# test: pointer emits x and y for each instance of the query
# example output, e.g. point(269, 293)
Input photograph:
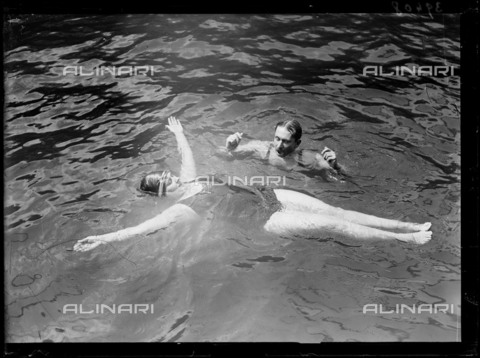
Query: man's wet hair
point(293, 127)
point(151, 183)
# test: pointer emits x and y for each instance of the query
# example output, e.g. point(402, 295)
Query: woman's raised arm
point(187, 171)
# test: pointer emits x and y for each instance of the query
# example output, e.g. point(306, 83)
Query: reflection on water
point(77, 146)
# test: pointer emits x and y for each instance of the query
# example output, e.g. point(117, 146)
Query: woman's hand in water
point(89, 243)
point(174, 125)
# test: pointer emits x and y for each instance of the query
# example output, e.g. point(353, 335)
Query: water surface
point(77, 146)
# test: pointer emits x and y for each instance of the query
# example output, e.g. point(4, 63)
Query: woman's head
point(159, 183)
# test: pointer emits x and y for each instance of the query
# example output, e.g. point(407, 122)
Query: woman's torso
point(243, 205)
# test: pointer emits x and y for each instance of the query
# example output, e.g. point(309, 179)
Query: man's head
point(287, 137)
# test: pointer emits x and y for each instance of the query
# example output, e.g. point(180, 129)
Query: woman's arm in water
point(172, 215)
point(187, 171)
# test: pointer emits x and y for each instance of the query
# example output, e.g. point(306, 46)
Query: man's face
point(283, 142)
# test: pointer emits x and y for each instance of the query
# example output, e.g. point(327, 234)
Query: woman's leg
point(298, 223)
point(296, 201)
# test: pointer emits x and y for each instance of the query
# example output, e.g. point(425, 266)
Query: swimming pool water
point(77, 146)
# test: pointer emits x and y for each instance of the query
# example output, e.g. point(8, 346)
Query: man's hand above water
point(330, 157)
point(233, 141)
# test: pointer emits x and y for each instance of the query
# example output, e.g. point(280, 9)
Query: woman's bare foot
point(425, 226)
point(411, 227)
point(419, 238)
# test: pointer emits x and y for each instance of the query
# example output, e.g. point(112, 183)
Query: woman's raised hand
point(174, 125)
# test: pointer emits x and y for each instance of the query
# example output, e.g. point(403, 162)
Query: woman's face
point(173, 183)
point(160, 184)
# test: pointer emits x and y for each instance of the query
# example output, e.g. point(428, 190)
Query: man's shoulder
point(258, 144)
point(256, 148)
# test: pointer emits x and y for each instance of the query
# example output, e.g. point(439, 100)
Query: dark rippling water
point(77, 146)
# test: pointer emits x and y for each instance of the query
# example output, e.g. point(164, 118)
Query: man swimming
point(278, 211)
point(284, 150)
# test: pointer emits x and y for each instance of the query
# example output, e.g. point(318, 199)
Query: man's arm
point(255, 148)
point(232, 149)
point(176, 213)
point(324, 164)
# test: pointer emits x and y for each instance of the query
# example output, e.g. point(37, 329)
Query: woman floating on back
point(278, 211)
